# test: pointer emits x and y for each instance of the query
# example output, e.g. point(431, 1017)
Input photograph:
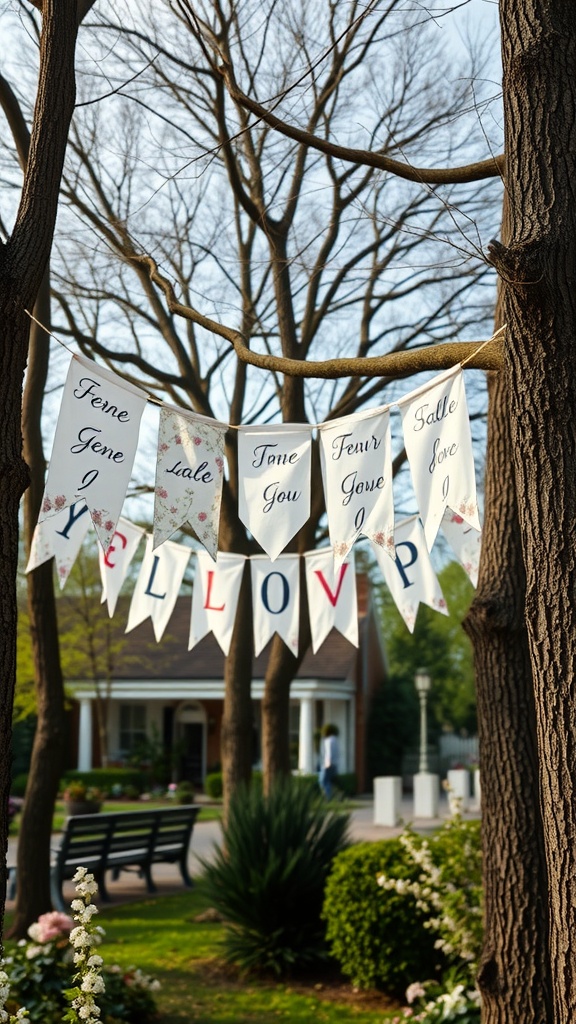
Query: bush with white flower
point(58, 976)
point(448, 892)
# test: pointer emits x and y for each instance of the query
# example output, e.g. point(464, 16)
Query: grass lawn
point(208, 812)
point(162, 937)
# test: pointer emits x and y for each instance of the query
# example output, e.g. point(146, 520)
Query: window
point(132, 726)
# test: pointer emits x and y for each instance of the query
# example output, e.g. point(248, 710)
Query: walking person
point(329, 759)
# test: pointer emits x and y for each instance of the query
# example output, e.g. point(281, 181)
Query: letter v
point(333, 598)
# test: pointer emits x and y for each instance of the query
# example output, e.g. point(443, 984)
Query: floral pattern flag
point(439, 448)
point(465, 542)
point(157, 586)
point(189, 473)
point(410, 576)
point(115, 562)
point(274, 482)
point(275, 600)
point(356, 463)
point(94, 445)
point(332, 597)
point(60, 537)
point(215, 597)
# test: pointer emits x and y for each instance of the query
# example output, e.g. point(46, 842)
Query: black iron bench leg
point(185, 873)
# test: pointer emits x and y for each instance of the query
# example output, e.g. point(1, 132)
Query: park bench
point(123, 841)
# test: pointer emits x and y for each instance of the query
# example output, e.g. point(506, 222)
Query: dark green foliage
point(376, 935)
point(213, 785)
point(18, 784)
point(267, 880)
point(347, 784)
point(107, 779)
point(393, 724)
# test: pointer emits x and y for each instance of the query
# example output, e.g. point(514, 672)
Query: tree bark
point(33, 892)
point(23, 259)
point(538, 267)
point(513, 972)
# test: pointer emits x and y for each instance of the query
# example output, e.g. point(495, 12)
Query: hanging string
point(483, 345)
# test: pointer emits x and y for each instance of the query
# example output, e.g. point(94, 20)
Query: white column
point(388, 800)
point(85, 735)
point(306, 736)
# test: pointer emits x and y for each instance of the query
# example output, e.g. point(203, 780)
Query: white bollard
point(459, 784)
point(426, 795)
point(387, 800)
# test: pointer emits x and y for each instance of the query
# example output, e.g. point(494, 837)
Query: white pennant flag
point(439, 448)
point(189, 473)
point(274, 482)
point(357, 473)
point(410, 577)
point(465, 542)
point(157, 586)
point(215, 597)
point(60, 537)
point(94, 445)
point(275, 600)
point(332, 599)
point(115, 562)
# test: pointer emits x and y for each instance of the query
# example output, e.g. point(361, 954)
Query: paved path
point(207, 836)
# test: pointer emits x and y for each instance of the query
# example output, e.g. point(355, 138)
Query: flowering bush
point(58, 975)
point(448, 892)
point(79, 792)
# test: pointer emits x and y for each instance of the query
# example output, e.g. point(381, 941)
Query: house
point(178, 695)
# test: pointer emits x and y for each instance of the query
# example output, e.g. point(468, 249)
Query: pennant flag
point(215, 598)
point(189, 475)
point(439, 447)
point(157, 586)
point(94, 445)
point(465, 542)
point(274, 483)
point(275, 600)
point(357, 474)
point(331, 597)
point(115, 562)
point(60, 537)
point(410, 577)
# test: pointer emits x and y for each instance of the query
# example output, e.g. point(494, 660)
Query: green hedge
point(107, 778)
point(377, 936)
point(213, 786)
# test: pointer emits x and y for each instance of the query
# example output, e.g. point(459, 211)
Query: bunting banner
point(115, 561)
point(465, 542)
point(157, 586)
point(274, 482)
point(189, 472)
point(332, 599)
point(355, 453)
point(94, 445)
point(439, 448)
point(60, 537)
point(410, 576)
point(215, 598)
point(275, 600)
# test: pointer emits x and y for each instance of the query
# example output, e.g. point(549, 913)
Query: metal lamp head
point(422, 680)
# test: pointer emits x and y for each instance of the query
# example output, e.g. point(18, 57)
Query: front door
point(191, 760)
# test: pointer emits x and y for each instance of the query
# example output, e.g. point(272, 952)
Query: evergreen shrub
point(378, 937)
point(268, 877)
point(105, 779)
point(213, 786)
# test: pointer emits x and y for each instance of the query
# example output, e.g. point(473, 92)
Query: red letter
point(333, 598)
point(111, 548)
point(210, 607)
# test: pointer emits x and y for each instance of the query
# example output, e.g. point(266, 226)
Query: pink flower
point(457, 519)
point(60, 501)
point(46, 505)
point(197, 440)
point(202, 516)
point(108, 525)
point(219, 462)
point(161, 492)
point(50, 926)
point(164, 447)
point(177, 439)
point(97, 517)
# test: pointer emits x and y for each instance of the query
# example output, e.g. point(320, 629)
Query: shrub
point(213, 785)
point(267, 880)
point(18, 785)
point(347, 784)
point(106, 779)
point(377, 937)
point(184, 793)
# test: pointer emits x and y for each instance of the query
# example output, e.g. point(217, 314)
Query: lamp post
point(423, 683)
point(426, 785)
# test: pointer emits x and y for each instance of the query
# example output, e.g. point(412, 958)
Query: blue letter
point(72, 517)
point(285, 588)
point(148, 590)
point(402, 566)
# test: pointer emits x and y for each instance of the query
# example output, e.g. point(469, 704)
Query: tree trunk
point(539, 270)
point(23, 259)
point(514, 967)
point(33, 893)
point(237, 720)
